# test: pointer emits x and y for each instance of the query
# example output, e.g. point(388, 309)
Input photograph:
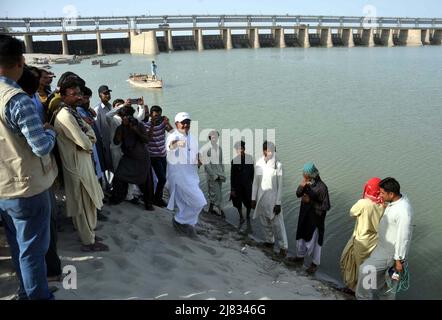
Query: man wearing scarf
point(315, 203)
point(75, 142)
point(266, 198)
point(368, 212)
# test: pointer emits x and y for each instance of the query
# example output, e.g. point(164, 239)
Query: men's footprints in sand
point(207, 249)
point(162, 263)
point(186, 248)
point(175, 254)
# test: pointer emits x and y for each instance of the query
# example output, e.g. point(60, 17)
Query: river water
point(357, 113)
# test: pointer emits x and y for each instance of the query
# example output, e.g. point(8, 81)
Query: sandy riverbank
point(148, 260)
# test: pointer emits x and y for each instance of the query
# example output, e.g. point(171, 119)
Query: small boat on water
point(96, 62)
point(61, 60)
point(144, 81)
point(108, 64)
point(74, 62)
point(41, 61)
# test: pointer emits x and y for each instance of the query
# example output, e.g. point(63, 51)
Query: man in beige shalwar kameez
point(75, 143)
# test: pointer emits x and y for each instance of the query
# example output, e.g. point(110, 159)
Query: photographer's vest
point(22, 173)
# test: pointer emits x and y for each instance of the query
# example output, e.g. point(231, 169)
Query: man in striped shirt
point(156, 129)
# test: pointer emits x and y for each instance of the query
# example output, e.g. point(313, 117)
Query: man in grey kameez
point(214, 167)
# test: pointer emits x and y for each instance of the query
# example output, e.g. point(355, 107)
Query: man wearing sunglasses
point(183, 161)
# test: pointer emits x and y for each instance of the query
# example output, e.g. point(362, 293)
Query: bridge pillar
point(426, 37)
point(347, 38)
point(280, 38)
point(410, 37)
point(387, 37)
point(254, 38)
point(28, 44)
point(198, 35)
point(437, 37)
point(64, 44)
point(326, 38)
point(144, 43)
point(169, 41)
point(226, 35)
point(303, 38)
point(99, 44)
point(367, 38)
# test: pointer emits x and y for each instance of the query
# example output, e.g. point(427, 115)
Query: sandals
point(97, 246)
point(295, 259)
point(347, 290)
point(312, 269)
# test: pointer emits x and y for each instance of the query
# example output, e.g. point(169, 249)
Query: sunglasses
point(187, 121)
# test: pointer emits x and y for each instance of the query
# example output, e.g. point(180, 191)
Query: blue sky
point(62, 8)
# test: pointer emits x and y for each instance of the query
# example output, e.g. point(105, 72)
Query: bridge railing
point(173, 21)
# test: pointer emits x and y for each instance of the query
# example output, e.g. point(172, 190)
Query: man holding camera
point(156, 129)
point(134, 166)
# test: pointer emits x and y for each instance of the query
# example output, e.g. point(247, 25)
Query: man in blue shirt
point(27, 171)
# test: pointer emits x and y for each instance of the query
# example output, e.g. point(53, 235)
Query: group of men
point(113, 149)
point(56, 140)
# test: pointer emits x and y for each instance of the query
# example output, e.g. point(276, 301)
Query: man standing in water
point(315, 203)
point(394, 236)
point(182, 176)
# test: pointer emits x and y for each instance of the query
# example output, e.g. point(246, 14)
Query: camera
point(394, 275)
point(134, 101)
point(132, 121)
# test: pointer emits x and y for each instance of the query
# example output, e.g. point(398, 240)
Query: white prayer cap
point(182, 116)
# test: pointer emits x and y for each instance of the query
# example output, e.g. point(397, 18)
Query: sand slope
point(148, 260)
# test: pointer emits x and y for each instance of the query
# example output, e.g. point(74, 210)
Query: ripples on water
point(357, 113)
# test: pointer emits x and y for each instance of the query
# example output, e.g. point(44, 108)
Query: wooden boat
point(74, 62)
point(108, 64)
point(61, 60)
point(41, 61)
point(144, 81)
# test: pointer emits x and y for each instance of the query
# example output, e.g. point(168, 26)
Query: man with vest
point(27, 171)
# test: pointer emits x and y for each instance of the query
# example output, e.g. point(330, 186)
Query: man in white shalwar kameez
point(394, 234)
point(182, 176)
point(266, 198)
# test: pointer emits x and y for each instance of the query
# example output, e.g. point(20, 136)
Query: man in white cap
point(182, 176)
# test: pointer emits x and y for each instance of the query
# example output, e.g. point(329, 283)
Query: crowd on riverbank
point(126, 151)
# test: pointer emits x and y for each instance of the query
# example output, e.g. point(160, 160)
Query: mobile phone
point(134, 101)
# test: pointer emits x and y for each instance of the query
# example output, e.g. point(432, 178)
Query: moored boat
point(108, 64)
